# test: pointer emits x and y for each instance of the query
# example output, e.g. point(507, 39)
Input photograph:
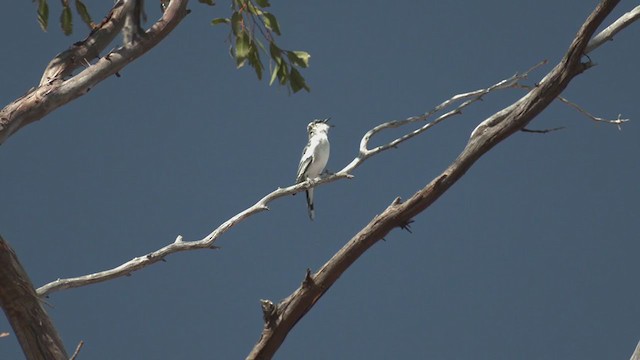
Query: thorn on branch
point(407, 226)
point(269, 312)
point(308, 280)
point(543, 131)
point(178, 239)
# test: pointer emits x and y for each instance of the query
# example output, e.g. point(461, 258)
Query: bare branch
point(77, 352)
point(83, 52)
point(469, 97)
point(56, 90)
point(543, 131)
point(617, 121)
point(608, 33)
point(30, 322)
point(490, 132)
point(636, 353)
point(364, 153)
point(207, 242)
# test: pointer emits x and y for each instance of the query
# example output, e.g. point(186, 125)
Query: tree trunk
point(30, 322)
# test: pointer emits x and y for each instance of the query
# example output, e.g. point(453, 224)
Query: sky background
point(533, 254)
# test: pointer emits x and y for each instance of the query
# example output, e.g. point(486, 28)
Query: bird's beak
point(327, 119)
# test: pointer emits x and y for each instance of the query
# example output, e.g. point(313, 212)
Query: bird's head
point(319, 125)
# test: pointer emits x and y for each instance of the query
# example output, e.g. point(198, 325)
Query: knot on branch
point(269, 312)
point(308, 280)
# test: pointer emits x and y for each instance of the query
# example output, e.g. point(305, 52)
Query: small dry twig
point(75, 353)
point(364, 153)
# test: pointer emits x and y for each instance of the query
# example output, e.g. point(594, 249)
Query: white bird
point(314, 157)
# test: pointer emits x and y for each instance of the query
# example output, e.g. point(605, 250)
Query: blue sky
point(532, 255)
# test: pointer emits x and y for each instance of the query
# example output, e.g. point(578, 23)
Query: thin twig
point(543, 131)
point(618, 122)
point(208, 241)
point(75, 353)
point(364, 153)
point(491, 132)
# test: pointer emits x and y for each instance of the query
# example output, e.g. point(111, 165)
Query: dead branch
point(488, 134)
point(364, 153)
point(58, 86)
point(208, 241)
point(608, 33)
point(636, 353)
point(77, 352)
point(30, 322)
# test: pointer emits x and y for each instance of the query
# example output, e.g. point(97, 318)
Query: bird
point(314, 157)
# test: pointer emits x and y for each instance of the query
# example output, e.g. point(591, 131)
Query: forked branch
point(364, 153)
point(59, 85)
point(284, 315)
point(462, 100)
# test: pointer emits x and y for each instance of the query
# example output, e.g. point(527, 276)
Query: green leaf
point(263, 3)
point(257, 41)
point(300, 58)
point(254, 61)
point(283, 73)
point(270, 22)
point(43, 14)
point(217, 21)
point(297, 82)
point(274, 74)
point(237, 23)
point(65, 20)
point(82, 10)
point(243, 46)
point(208, 2)
point(276, 53)
point(253, 9)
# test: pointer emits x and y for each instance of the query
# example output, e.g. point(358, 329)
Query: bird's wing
point(304, 165)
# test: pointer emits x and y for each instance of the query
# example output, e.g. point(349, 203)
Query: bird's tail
point(312, 213)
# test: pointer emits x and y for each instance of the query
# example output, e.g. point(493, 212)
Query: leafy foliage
point(43, 14)
point(249, 23)
point(66, 16)
point(249, 18)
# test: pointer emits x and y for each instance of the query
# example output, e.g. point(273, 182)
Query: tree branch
point(58, 86)
point(636, 353)
point(30, 322)
point(488, 134)
point(608, 33)
point(207, 242)
point(83, 52)
point(364, 153)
